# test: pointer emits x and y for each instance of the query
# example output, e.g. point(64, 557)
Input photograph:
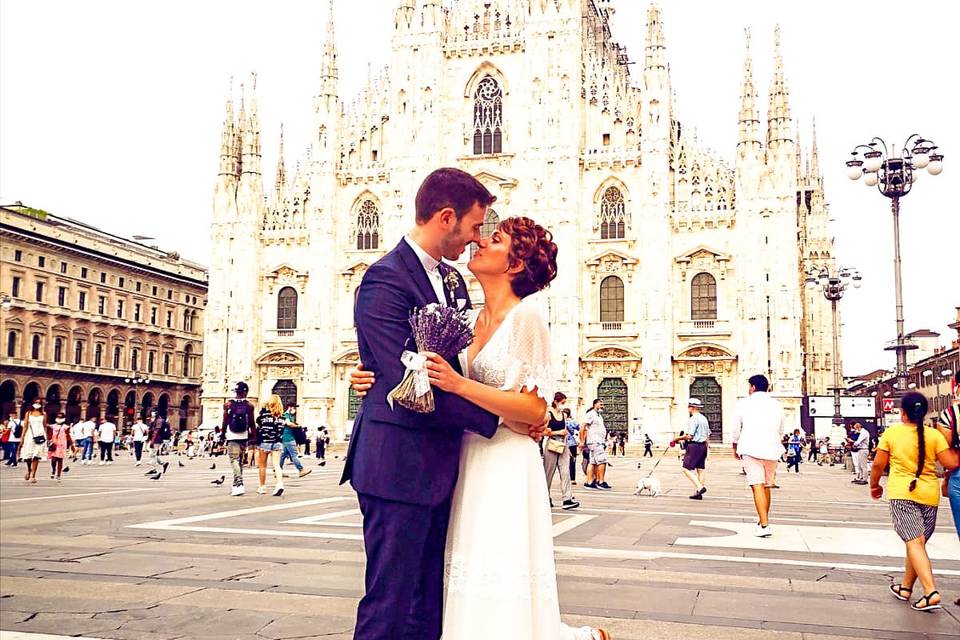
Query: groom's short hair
point(453, 188)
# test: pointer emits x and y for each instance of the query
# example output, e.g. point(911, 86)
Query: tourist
point(106, 433)
point(239, 431)
point(572, 441)
point(159, 436)
point(270, 424)
point(13, 431)
point(912, 450)
point(623, 444)
point(814, 447)
point(291, 439)
point(556, 456)
point(323, 439)
point(139, 438)
point(647, 446)
point(33, 442)
point(57, 448)
point(596, 445)
point(860, 449)
point(949, 425)
point(795, 451)
point(87, 430)
point(695, 457)
point(757, 434)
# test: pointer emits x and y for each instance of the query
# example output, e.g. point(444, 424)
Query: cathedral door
point(287, 391)
point(613, 392)
point(709, 392)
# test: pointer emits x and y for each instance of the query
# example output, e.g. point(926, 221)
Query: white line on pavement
point(73, 495)
point(686, 514)
point(325, 518)
point(629, 554)
point(567, 524)
point(166, 524)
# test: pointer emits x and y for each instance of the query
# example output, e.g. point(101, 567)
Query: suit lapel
point(415, 267)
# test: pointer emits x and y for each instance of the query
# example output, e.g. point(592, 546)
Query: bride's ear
point(516, 268)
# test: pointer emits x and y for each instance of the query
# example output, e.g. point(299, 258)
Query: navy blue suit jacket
point(398, 454)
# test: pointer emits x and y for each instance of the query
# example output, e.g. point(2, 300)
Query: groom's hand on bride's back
point(361, 380)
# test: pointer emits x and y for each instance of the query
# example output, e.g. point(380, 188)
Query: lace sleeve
point(528, 360)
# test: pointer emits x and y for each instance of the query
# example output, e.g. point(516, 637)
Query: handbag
point(39, 439)
point(555, 446)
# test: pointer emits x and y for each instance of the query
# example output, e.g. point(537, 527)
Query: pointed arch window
point(491, 220)
point(78, 352)
point(117, 354)
point(287, 309)
point(613, 215)
point(611, 299)
point(488, 117)
point(703, 297)
point(12, 344)
point(369, 231)
point(58, 350)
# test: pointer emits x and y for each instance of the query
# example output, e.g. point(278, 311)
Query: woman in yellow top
point(912, 451)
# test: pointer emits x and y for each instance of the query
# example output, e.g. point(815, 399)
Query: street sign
point(850, 406)
point(888, 405)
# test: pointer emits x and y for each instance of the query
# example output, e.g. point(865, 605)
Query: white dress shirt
point(432, 266)
point(758, 427)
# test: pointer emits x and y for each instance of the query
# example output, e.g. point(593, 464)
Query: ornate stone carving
point(281, 357)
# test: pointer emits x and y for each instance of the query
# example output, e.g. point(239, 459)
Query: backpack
point(238, 419)
point(18, 429)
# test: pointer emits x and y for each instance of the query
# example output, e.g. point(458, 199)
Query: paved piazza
point(111, 554)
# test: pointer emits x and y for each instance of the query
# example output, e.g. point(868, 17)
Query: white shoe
point(101, 463)
point(109, 461)
point(261, 490)
point(763, 532)
point(237, 490)
point(138, 464)
point(278, 491)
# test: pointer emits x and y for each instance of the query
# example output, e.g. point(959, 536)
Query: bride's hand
point(441, 374)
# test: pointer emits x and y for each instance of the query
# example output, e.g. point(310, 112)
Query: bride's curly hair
point(533, 246)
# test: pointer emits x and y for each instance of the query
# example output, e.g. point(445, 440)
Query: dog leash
point(665, 449)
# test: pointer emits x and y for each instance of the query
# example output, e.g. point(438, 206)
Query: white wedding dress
point(501, 577)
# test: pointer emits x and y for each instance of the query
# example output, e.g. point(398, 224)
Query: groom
point(403, 465)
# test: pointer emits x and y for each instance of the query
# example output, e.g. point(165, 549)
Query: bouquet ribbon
point(416, 367)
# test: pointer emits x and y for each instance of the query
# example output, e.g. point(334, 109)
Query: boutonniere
point(451, 282)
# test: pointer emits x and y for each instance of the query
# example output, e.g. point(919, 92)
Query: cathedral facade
point(679, 274)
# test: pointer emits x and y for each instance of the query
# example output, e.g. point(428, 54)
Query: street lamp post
point(894, 173)
point(833, 287)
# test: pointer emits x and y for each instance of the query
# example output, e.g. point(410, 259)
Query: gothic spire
point(251, 134)
point(228, 149)
point(778, 107)
point(328, 63)
point(281, 182)
point(814, 158)
point(656, 49)
point(749, 118)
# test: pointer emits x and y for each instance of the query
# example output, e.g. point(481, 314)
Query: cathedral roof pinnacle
point(778, 108)
point(749, 117)
point(656, 48)
point(328, 62)
point(814, 158)
point(281, 181)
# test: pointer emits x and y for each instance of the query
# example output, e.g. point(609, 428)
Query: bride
point(501, 577)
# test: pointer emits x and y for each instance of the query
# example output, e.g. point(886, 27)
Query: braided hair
point(915, 406)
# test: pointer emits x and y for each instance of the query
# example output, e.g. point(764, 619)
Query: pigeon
point(66, 469)
point(165, 465)
point(218, 481)
point(180, 464)
point(213, 466)
point(156, 476)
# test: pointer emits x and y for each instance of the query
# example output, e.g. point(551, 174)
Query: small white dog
point(650, 484)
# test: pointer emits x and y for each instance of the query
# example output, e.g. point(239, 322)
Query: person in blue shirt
point(573, 442)
point(794, 451)
point(695, 455)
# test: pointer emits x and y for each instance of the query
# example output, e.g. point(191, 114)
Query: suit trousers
point(405, 545)
point(553, 461)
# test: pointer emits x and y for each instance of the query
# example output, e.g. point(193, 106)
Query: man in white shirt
point(105, 435)
point(860, 445)
point(87, 428)
point(596, 441)
point(139, 437)
point(757, 442)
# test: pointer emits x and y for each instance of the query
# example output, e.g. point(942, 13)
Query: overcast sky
point(110, 112)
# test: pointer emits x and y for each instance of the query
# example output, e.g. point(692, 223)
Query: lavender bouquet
point(437, 328)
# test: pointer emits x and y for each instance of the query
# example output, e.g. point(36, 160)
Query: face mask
point(36, 406)
point(60, 421)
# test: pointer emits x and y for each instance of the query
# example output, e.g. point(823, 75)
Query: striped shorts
point(912, 519)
